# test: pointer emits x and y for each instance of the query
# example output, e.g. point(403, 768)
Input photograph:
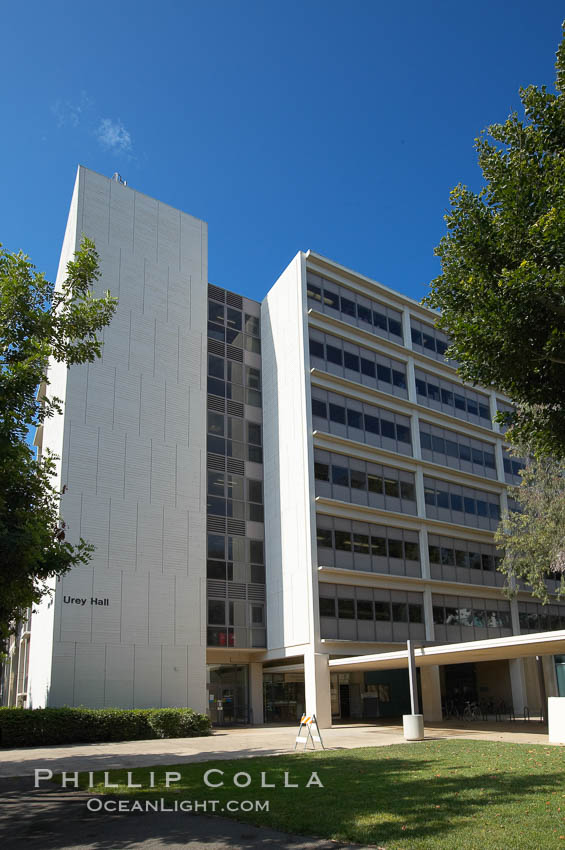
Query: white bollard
point(413, 727)
point(556, 720)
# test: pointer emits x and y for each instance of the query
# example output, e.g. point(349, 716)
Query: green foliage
point(25, 727)
point(502, 288)
point(533, 539)
point(177, 723)
point(38, 324)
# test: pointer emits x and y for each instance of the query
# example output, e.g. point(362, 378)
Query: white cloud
point(113, 136)
point(70, 113)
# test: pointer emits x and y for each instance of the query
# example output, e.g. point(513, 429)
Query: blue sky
point(287, 125)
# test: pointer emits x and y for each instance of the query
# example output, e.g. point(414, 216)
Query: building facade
point(268, 486)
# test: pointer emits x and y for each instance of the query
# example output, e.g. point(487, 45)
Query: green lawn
point(439, 794)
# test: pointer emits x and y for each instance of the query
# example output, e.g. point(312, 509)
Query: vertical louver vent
point(234, 300)
point(217, 404)
point(236, 526)
point(216, 293)
point(235, 408)
point(234, 353)
point(236, 466)
point(215, 347)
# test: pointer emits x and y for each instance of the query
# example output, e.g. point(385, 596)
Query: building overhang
point(494, 649)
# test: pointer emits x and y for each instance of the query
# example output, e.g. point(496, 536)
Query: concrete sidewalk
point(244, 743)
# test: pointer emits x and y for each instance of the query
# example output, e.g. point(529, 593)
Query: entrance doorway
point(228, 694)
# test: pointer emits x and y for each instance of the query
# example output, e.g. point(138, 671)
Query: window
point(321, 471)
point(348, 307)
point(415, 613)
point(256, 553)
point(382, 611)
point(391, 488)
point(395, 548)
point(334, 355)
point(216, 612)
point(378, 546)
point(319, 408)
point(364, 609)
point(254, 433)
point(216, 546)
point(351, 361)
point(254, 490)
point(342, 541)
point(355, 419)
point(361, 543)
point(316, 349)
point(337, 413)
point(340, 476)
point(411, 551)
point(399, 612)
point(257, 615)
point(324, 536)
point(346, 609)
point(327, 607)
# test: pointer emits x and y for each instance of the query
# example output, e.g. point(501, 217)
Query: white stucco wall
point(289, 504)
point(133, 462)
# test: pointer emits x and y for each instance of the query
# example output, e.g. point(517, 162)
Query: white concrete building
point(269, 487)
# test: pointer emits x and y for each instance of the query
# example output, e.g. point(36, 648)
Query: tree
point(38, 323)
point(533, 538)
point(501, 291)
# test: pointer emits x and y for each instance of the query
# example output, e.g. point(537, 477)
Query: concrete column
point(256, 692)
point(317, 687)
point(406, 328)
point(518, 685)
point(420, 495)
point(493, 406)
point(550, 676)
point(431, 693)
point(429, 614)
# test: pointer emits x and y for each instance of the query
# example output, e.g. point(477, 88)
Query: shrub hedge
point(26, 727)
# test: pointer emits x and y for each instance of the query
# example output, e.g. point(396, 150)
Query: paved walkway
point(243, 743)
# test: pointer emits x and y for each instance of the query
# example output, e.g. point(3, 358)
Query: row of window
point(241, 637)
point(234, 487)
point(452, 399)
point(233, 337)
point(234, 427)
point(367, 483)
point(342, 358)
point(463, 505)
point(468, 559)
point(221, 613)
point(366, 609)
point(360, 421)
point(476, 617)
point(235, 510)
point(448, 448)
point(370, 614)
point(380, 546)
point(235, 571)
point(535, 617)
point(234, 392)
point(236, 373)
point(353, 308)
point(228, 548)
point(428, 340)
point(234, 319)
